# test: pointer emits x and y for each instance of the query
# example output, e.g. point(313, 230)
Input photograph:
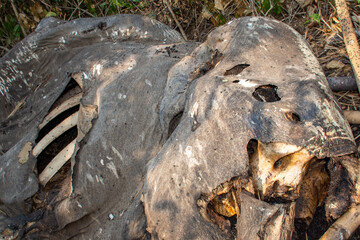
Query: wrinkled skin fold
point(172, 139)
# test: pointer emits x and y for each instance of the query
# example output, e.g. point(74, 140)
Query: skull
point(171, 140)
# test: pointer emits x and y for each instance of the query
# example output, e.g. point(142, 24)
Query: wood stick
point(353, 117)
point(176, 21)
point(344, 226)
point(352, 46)
point(18, 18)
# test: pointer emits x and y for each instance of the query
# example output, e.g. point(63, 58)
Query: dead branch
point(176, 21)
point(344, 226)
point(17, 17)
point(353, 117)
point(338, 84)
point(352, 46)
point(4, 48)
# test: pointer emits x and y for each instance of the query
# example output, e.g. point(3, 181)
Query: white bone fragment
point(56, 163)
point(292, 161)
point(344, 226)
point(65, 125)
point(71, 102)
point(78, 77)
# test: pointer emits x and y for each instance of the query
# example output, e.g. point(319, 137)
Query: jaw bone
point(278, 168)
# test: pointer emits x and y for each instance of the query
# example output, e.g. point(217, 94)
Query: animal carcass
point(117, 128)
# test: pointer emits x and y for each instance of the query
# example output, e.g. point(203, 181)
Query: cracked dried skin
point(278, 169)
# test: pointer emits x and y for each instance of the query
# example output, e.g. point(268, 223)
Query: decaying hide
point(117, 128)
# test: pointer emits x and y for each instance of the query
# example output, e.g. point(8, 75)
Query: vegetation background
point(316, 20)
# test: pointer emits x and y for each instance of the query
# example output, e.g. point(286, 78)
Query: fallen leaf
point(206, 14)
point(334, 64)
point(37, 11)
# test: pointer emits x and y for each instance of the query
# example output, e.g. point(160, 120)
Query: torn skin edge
point(86, 116)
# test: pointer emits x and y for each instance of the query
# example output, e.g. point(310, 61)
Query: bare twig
point(344, 226)
point(17, 17)
point(353, 117)
point(48, 7)
point(352, 46)
point(133, 3)
point(253, 8)
point(77, 8)
point(176, 21)
point(4, 48)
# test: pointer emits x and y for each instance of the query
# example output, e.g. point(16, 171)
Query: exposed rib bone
point(344, 226)
point(56, 163)
point(71, 102)
point(78, 78)
point(65, 125)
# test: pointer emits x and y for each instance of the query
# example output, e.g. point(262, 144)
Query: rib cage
point(57, 133)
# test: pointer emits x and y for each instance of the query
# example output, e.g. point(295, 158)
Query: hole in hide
point(222, 205)
point(236, 81)
point(59, 111)
point(216, 57)
point(252, 147)
point(266, 93)
point(221, 210)
point(225, 223)
point(236, 69)
point(293, 117)
point(174, 123)
point(282, 163)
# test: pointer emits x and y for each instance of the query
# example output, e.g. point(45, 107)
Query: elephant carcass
point(250, 125)
point(173, 138)
point(106, 75)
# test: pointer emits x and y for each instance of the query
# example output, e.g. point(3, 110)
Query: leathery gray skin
point(167, 125)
